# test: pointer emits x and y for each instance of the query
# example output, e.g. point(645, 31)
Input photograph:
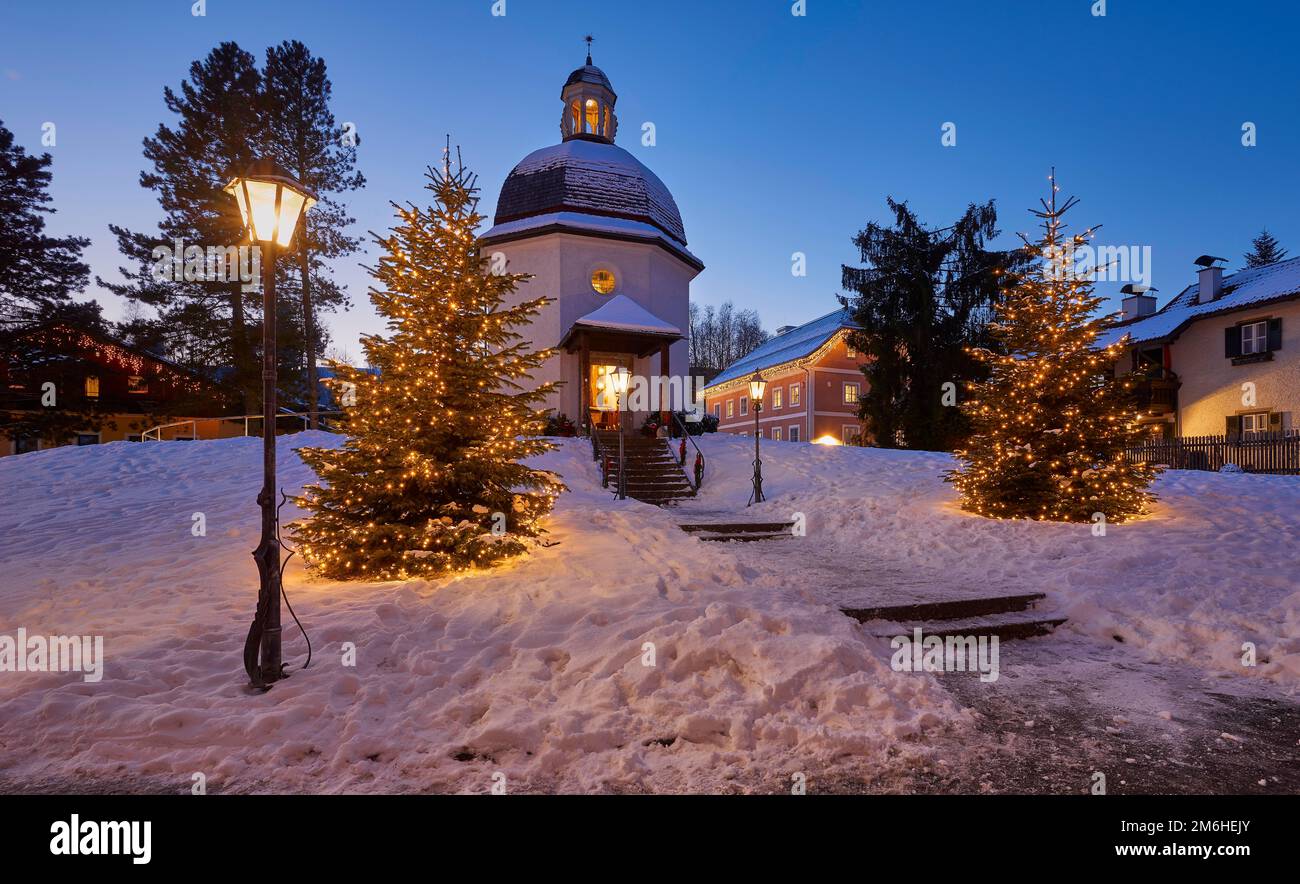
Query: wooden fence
point(1275, 453)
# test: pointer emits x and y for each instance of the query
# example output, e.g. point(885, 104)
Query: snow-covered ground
point(538, 670)
point(1215, 565)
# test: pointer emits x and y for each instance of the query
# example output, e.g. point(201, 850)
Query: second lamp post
point(270, 204)
point(757, 386)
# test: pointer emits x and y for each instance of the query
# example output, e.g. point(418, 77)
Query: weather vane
point(589, 38)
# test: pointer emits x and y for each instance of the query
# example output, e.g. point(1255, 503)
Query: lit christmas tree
point(1051, 423)
point(429, 479)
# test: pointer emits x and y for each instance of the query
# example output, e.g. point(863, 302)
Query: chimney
point(783, 329)
point(1138, 302)
point(1210, 278)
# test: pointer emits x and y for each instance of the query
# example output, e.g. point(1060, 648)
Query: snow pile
point(536, 670)
point(1214, 566)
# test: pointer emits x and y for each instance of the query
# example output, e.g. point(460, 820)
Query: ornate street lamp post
point(757, 386)
point(620, 378)
point(270, 204)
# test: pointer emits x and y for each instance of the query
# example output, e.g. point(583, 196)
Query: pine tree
point(218, 131)
point(38, 272)
point(429, 479)
point(1051, 423)
point(302, 134)
point(1264, 250)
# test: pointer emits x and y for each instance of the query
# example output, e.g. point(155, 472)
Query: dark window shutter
point(1232, 341)
point(1275, 422)
point(1275, 333)
point(1234, 425)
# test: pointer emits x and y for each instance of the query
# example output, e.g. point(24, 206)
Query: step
point(737, 527)
point(747, 537)
point(947, 610)
point(1007, 627)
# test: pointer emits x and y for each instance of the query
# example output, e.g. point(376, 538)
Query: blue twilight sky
point(776, 133)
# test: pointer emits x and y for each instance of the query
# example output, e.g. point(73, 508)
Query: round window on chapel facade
point(602, 281)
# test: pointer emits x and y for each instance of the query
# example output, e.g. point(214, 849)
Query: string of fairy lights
point(430, 480)
point(1052, 422)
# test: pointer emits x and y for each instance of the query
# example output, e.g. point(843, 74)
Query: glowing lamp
point(620, 376)
point(757, 387)
point(270, 202)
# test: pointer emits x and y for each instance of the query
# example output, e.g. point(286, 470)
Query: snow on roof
point(794, 344)
point(595, 176)
point(596, 223)
point(1240, 290)
point(622, 313)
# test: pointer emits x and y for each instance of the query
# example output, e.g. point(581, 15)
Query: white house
point(601, 234)
point(1223, 357)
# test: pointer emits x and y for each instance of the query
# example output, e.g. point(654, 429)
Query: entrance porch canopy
point(620, 325)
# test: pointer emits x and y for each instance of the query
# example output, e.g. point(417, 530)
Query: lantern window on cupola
point(588, 105)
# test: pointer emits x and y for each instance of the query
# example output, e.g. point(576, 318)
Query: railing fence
point(1271, 453)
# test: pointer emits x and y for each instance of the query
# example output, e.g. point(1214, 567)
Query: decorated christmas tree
point(1052, 421)
point(430, 479)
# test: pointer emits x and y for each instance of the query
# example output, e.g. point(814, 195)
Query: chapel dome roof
point(589, 177)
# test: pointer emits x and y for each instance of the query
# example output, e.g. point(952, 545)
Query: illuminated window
point(776, 434)
point(850, 394)
point(593, 116)
point(794, 394)
point(92, 386)
point(603, 282)
point(731, 407)
point(137, 384)
point(576, 111)
point(850, 351)
point(776, 397)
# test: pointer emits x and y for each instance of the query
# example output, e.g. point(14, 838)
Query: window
point(744, 405)
point(24, 444)
point(776, 397)
point(137, 384)
point(1254, 423)
point(92, 386)
point(794, 433)
point(850, 351)
point(135, 437)
point(717, 411)
point(851, 394)
point(731, 407)
point(593, 116)
point(849, 434)
point(776, 434)
point(794, 395)
point(87, 438)
point(1254, 338)
point(602, 281)
point(577, 117)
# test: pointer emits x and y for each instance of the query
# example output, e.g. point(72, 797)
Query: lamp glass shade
point(757, 387)
point(269, 207)
point(621, 376)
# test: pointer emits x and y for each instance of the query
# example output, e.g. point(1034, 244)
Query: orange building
point(813, 379)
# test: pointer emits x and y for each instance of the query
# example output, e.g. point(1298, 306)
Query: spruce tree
point(1052, 421)
point(1264, 250)
point(922, 300)
point(430, 479)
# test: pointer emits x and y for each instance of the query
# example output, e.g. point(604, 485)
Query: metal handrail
point(154, 434)
point(681, 458)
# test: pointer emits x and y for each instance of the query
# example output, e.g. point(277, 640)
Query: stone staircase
point(653, 474)
point(1008, 617)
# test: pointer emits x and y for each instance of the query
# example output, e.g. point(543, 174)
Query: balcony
point(1155, 391)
